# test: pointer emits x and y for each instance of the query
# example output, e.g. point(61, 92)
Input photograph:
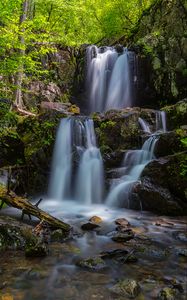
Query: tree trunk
point(21, 53)
point(32, 210)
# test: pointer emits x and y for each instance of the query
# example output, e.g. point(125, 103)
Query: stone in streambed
point(89, 226)
point(182, 252)
point(167, 294)
point(114, 253)
point(58, 235)
point(92, 263)
point(122, 222)
point(121, 237)
point(126, 288)
point(36, 250)
point(95, 219)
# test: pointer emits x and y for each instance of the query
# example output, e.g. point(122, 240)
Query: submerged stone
point(126, 288)
point(92, 263)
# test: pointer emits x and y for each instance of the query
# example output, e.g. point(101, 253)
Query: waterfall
point(76, 138)
point(109, 78)
point(60, 179)
point(161, 121)
point(144, 125)
point(90, 176)
point(133, 165)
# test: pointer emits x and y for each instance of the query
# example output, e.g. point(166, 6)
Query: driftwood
point(28, 208)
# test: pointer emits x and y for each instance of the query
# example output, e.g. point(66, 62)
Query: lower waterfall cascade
point(84, 182)
point(76, 136)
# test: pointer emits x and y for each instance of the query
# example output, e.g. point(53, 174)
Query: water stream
point(109, 78)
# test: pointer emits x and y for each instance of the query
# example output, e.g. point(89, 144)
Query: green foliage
point(184, 141)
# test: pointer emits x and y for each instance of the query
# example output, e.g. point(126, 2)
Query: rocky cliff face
point(161, 40)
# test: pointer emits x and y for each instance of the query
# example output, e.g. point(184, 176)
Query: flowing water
point(134, 163)
point(156, 245)
point(109, 78)
point(76, 141)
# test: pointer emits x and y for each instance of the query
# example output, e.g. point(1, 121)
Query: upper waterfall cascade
point(110, 78)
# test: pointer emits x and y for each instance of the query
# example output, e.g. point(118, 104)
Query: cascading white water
point(76, 136)
point(60, 179)
point(109, 78)
point(161, 121)
point(144, 125)
point(133, 165)
point(90, 180)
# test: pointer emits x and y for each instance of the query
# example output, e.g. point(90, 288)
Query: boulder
point(168, 143)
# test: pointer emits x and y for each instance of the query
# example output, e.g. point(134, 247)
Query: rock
point(95, 219)
point(121, 237)
point(182, 252)
point(168, 143)
point(36, 250)
point(181, 236)
point(122, 222)
point(65, 108)
point(58, 235)
point(156, 190)
point(160, 53)
point(89, 226)
point(131, 258)
point(92, 263)
point(13, 236)
point(114, 253)
point(176, 114)
point(167, 294)
point(126, 288)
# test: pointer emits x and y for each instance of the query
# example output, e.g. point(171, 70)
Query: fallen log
point(28, 208)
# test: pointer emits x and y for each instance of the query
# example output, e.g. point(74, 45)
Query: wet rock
point(92, 263)
point(122, 222)
point(163, 223)
point(157, 191)
point(176, 114)
point(181, 236)
point(121, 237)
point(158, 199)
point(167, 294)
point(36, 250)
point(126, 288)
point(182, 252)
point(11, 236)
point(89, 226)
point(114, 253)
point(95, 219)
point(130, 258)
point(167, 144)
point(58, 235)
